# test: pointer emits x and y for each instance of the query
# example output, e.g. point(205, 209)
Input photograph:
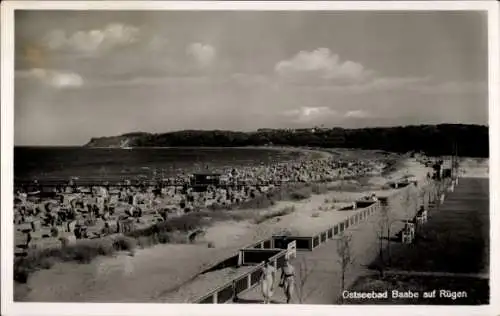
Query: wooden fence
point(275, 249)
point(230, 291)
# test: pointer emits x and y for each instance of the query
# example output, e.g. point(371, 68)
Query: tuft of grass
point(167, 231)
point(259, 202)
point(184, 223)
point(284, 211)
point(300, 194)
point(163, 238)
point(123, 243)
point(83, 252)
point(294, 192)
point(144, 241)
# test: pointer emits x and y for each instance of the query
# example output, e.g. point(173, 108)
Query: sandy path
point(323, 283)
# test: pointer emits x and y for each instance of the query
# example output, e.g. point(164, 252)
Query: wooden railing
point(229, 291)
point(277, 246)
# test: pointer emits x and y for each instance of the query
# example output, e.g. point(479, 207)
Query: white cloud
point(357, 114)
point(55, 78)
point(309, 114)
point(202, 53)
point(323, 64)
point(115, 34)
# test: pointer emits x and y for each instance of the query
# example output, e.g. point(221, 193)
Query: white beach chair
point(424, 216)
point(406, 237)
point(410, 228)
point(420, 220)
point(451, 188)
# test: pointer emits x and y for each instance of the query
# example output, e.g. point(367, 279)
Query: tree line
point(470, 140)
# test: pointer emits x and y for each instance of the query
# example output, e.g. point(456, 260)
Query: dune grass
point(282, 212)
point(289, 192)
point(83, 252)
point(173, 230)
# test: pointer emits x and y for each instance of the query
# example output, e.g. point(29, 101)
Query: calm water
point(96, 163)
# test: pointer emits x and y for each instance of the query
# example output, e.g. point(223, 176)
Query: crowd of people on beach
point(79, 210)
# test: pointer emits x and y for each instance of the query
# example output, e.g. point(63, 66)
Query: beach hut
point(200, 181)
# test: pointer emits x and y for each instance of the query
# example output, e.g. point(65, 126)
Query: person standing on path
point(268, 279)
point(288, 279)
point(28, 240)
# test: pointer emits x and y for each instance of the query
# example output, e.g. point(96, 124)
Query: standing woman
point(288, 279)
point(28, 239)
point(268, 279)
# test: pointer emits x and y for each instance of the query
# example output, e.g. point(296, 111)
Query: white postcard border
point(7, 131)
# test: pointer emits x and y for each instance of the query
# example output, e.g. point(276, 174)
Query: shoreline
point(275, 148)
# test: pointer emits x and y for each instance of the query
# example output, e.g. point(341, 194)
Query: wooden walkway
point(322, 285)
point(322, 267)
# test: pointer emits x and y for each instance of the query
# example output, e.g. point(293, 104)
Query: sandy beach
point(474, 167)
point(152, 273)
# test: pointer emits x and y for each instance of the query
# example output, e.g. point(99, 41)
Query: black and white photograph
point(248, 156)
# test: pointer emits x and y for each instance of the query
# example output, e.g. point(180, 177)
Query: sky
point(83, 74)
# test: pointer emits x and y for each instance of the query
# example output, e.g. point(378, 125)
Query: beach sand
point(155, 272)
point(474, 167)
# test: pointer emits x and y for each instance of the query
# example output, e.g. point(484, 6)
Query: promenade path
point(323, 282)
point(321, 267)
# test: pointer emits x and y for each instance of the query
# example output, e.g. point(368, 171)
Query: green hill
point(472, 140)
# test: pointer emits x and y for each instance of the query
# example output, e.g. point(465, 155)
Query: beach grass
point(173, 230)
point(282, 212)
point(287, 192)
point(83, 252)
